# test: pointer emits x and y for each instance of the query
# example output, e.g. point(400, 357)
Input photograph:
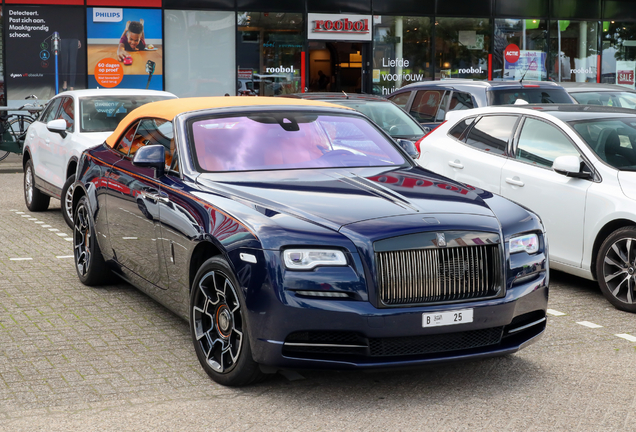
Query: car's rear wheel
point(218, 326)
point(616, 268)
point(67, 200)
point(89, 262)
point(34, 199)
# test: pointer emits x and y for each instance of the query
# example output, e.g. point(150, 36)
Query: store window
point(200, 52)
point(401, 52)
point(520, 49)
point(619, 53)
point(269, 48)
point(573, 50)
point(461, 47)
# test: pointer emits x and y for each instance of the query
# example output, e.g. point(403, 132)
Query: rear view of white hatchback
point(72, 122)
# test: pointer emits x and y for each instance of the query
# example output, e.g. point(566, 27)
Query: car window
point(290, 140)
point(540, 143)
point(388, 116)
point(400, 99)
point(67, 112)
point(530, 95)
point(151, 132)
point(103, 113)
point(458, 130)
point(425, 105)
point(125, 143)
point(492, 133)
point(51, 110)
point(613, 140)
point(461, 101)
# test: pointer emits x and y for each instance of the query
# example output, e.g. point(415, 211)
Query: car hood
point(338, 197)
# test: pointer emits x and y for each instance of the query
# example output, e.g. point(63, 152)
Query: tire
point(218, 326)
point(3, 155)
point(33, 198)
point(89, 262)
point(19, 128)
point(67, 200)
point(616, 268)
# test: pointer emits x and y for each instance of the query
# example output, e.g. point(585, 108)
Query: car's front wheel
point(616, 268)
point(67, 200)
point(218, 326)
point(34, 199)
point(89, 262)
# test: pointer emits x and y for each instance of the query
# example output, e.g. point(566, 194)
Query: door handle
point(154, 195)
point(515, 181)
point(456, 164)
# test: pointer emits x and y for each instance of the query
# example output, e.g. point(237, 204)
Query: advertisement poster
point(625, 73)
point(125, 48)
point(43, 42)
point(530, 66)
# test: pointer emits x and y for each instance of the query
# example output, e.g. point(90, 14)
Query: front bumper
point(323, 333)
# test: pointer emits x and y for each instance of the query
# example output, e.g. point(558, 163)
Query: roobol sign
point(339, 27)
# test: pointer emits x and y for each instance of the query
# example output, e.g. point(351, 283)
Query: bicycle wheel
point(3, 155)
point(18, 126)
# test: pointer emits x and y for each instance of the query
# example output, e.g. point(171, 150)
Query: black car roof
point(574, 112)
point(327, 96)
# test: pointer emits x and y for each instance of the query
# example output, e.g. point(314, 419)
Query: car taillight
point(417, 143)
point(530, 85)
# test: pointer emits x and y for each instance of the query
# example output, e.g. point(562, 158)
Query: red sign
point(625, 77)
point(342, 26)
point(245, 73)
point(512, 53)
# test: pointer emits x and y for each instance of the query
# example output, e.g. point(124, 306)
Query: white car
point(574, 165)
point(56, 140)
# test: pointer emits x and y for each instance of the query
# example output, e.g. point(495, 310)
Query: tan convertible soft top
point(168, 109)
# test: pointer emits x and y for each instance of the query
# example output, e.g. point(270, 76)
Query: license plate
point(447, 318)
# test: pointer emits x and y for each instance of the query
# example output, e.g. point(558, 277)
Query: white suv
point(56, 140)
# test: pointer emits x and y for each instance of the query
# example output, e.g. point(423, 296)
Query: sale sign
point(625, 73)
point(512, 53)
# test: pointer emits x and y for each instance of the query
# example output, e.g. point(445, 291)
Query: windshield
point(613, 140)
point(103, 113)
point(614, 98)
point(388, 116)
point(289, 140)
point(531, 95)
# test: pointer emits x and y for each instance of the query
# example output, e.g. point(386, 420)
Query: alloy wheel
point(82, 240)
point(218, 324)
point(619, 270)
point(28, 185)
point(68, 202)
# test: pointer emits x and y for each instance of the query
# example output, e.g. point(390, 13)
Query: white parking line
point(20, 259)
point(62, 234)
point(64, 256)
point(69, 239)
point(53, 229)
point(26, 215)
point(39, 222)
point(13, 210)
point(46, 226)
point(19, 212)
point(589, 324)
point(32, 219)
point(555, 312)
point(627, 336)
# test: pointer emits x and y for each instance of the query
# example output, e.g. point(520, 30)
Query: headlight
point(305, 259)
point(527, 242)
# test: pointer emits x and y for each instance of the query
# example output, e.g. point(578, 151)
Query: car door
point(475, 156)
point(133, 214)
point(38, 134)
point(528, 179)
point(59, 147)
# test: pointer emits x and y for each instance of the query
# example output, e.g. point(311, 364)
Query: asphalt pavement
point(110, 358)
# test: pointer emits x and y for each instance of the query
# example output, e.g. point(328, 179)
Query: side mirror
point(570, 166)
point(57, 126)
point(409, 147)
point(152, 156)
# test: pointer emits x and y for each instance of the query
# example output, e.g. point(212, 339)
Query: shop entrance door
point(338, 66)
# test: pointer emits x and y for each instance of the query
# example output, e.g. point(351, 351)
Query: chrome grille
point(438, 275)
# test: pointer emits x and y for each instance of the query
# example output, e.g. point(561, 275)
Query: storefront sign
point(339, 27)
point(512, 53)
point(530, 66)
point(625, 73)
point(107, 15)
point(245, 74)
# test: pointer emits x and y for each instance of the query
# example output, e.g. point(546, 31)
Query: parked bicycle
point(13, 127)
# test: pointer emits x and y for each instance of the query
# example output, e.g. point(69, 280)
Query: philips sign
point(107, 15)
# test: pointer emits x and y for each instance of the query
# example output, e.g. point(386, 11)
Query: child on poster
point(132, 39)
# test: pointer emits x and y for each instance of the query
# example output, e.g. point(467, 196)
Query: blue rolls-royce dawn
point(298, 234)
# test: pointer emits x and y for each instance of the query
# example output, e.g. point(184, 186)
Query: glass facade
point(401, 52)
point(462, 46)
point(573, 50)
point(619, 53)
point(269, 48)
point(190, 33)
point(529, 37)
